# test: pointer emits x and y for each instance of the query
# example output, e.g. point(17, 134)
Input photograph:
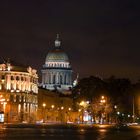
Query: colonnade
point(17, 82)
point(56, 77)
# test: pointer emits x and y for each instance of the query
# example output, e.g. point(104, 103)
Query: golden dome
point(57, 55)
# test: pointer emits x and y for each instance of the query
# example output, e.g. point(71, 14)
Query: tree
point(102, 108)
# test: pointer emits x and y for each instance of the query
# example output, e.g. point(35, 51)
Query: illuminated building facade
point(53, 108)
point(57, 72)
point(18, 93)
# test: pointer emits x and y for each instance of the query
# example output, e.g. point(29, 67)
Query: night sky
point(101, 37)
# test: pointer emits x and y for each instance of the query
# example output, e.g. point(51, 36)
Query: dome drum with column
point(57, 72)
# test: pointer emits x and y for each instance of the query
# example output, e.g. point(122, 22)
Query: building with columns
point(57, 72)
point(18, 93)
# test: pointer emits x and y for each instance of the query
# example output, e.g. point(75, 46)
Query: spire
point(57, 41)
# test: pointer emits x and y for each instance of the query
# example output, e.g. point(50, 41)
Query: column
point(67, 78)
point(49, 77)
point(70, 82)
point(8, 82)
point(57, 78)
point(63, 78)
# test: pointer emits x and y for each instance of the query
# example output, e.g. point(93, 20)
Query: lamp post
point(44, 106)
point(62, 114)
point(103, 100)
point(84, 105)
point(52, 113)
point(116, 113)
point(103, 113)
point(133, 110)
point(69, 114)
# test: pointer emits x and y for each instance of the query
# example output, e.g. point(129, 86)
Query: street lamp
point(44, 105)
point(52, 106)
point(103, 114)
point(52, 113)
point(102, 99)
point(84, 105)
point(69, 109)
point(118, 113)
point(62, 107)
point(115, 106)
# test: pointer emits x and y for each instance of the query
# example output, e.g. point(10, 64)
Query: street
point(67, 132)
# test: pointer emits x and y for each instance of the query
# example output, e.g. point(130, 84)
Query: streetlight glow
point(115, 106)
point(52, 106)
point(62, 107)
point(118, 113)
point(82, 103)
point(79, 110)
point(102, 99)
point(44, 105)
point(69, 109)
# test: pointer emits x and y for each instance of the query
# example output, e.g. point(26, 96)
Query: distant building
point(18, 93)
point(57, 72)
point(54, 107)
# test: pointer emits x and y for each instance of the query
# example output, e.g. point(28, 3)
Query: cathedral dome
point(57, 55)
point(57, 71)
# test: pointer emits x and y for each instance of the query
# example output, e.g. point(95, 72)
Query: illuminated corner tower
point(57, 72)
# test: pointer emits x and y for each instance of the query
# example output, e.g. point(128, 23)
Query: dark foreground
point(68, 132)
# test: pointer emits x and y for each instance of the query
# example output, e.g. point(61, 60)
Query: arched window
point(12, 77)
point(3, 77)
point(22, 78)
point(17, 78)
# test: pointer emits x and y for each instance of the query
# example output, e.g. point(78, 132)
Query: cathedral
point(57, 71)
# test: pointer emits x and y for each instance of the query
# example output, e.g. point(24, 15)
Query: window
point(22, 78)
point(12, 77)
point(3, 77)
point(17, 78)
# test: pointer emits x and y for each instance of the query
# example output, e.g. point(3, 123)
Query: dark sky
point(101, 37)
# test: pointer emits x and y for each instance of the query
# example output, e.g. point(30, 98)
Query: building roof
point(7, 66)
point(57, 54)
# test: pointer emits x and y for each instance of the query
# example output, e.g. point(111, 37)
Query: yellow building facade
point(18, 93)
point(55, 108)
